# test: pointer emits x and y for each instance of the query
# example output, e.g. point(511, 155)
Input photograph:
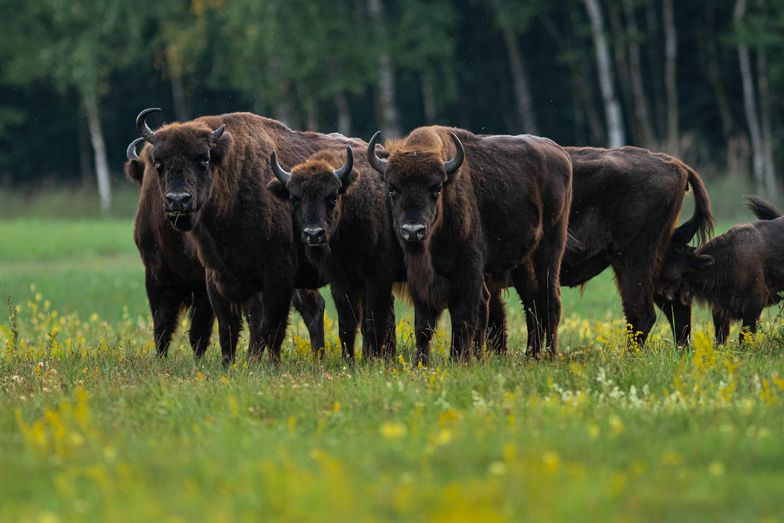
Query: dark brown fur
point(173, 276)
point(503, 212)
point(625, 207)
point(240, 233)
point(737, 274)
point(175, 279)
point(360, 256)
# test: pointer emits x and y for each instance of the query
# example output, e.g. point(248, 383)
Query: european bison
point(174, 277)
point(212, 181)
point(470, 211)
point(342, 217)
point(737, 274)
point(625, 206)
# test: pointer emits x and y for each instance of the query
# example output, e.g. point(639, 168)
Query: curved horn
point(344, 171)
point(455, 163)
point(376, 162)
point(217, 133)
point(141, 124)
point(130, 152)
point(282, 176)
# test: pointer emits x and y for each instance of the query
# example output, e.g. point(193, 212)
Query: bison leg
point(496, 322)
point(255, 315)
point(482, 318)
point(378, 318)
point(310, 305)
point(721, 326)
point(637, 301)
point(751, 315)
point(229, 324)
point(547, 261)
point(463, 308)
point(526, 286)
point(425, 319)
point(679, 316)
point(202, 318)
point(276, 302)
point(348, 307)
point(165, 304)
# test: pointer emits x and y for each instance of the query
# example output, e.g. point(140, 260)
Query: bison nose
point(413, 231)
point(314, 235)
point(179, 201)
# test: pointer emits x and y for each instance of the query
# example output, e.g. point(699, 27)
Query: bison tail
point(701, 223)
point(761, 209)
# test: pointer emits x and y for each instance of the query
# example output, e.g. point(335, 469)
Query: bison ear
point(220, 147)
point(278, 189)
point(134, 170)
point(701, 261)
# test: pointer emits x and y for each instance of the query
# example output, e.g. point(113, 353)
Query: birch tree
point(750, 100)
point(390, 120)
point(614, 116)
point(670, 71)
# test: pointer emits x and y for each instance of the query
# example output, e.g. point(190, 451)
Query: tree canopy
point(698, 78)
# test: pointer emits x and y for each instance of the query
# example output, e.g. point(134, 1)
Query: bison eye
point(331, 200)
point(393, 191)
point(435, 191)
point(294, 199)
point(157, 165)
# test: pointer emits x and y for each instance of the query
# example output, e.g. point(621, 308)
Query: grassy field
point(94, 428)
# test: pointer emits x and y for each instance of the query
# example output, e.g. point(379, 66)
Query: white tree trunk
point(428, 98)
point(767, 137)
point(99, 151)
point(635, 72)
point(670, 80)
point(390, 125)
point(612, 107)
point(749, 98)
point(344, 114)
point(524, 104)
point(178, 94)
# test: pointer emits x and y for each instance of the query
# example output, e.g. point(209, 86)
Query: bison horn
point(376, 162)
point(455, 163)
point(130, 152)
point(344, 171)
point(141, 124)
point(217, 133)
point(282, 176)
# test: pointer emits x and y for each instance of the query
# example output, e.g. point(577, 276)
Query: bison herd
point(240, 216)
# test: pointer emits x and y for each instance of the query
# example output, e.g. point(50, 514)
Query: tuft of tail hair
point(701, 223)
point(761, 209)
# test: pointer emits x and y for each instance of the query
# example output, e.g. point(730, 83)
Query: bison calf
point(737, 274)
point(342, 218)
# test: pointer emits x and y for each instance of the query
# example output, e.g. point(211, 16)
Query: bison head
point(314, 188)
point(415, 181)
point(184, 157)
point(682, 262)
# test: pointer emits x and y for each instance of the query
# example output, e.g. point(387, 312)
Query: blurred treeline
point(702, 79)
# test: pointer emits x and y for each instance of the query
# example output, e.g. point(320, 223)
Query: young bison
point(469, 212)
point(737, 274)
point(342, 217)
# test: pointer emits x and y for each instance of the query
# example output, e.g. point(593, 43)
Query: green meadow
point(94, 428)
